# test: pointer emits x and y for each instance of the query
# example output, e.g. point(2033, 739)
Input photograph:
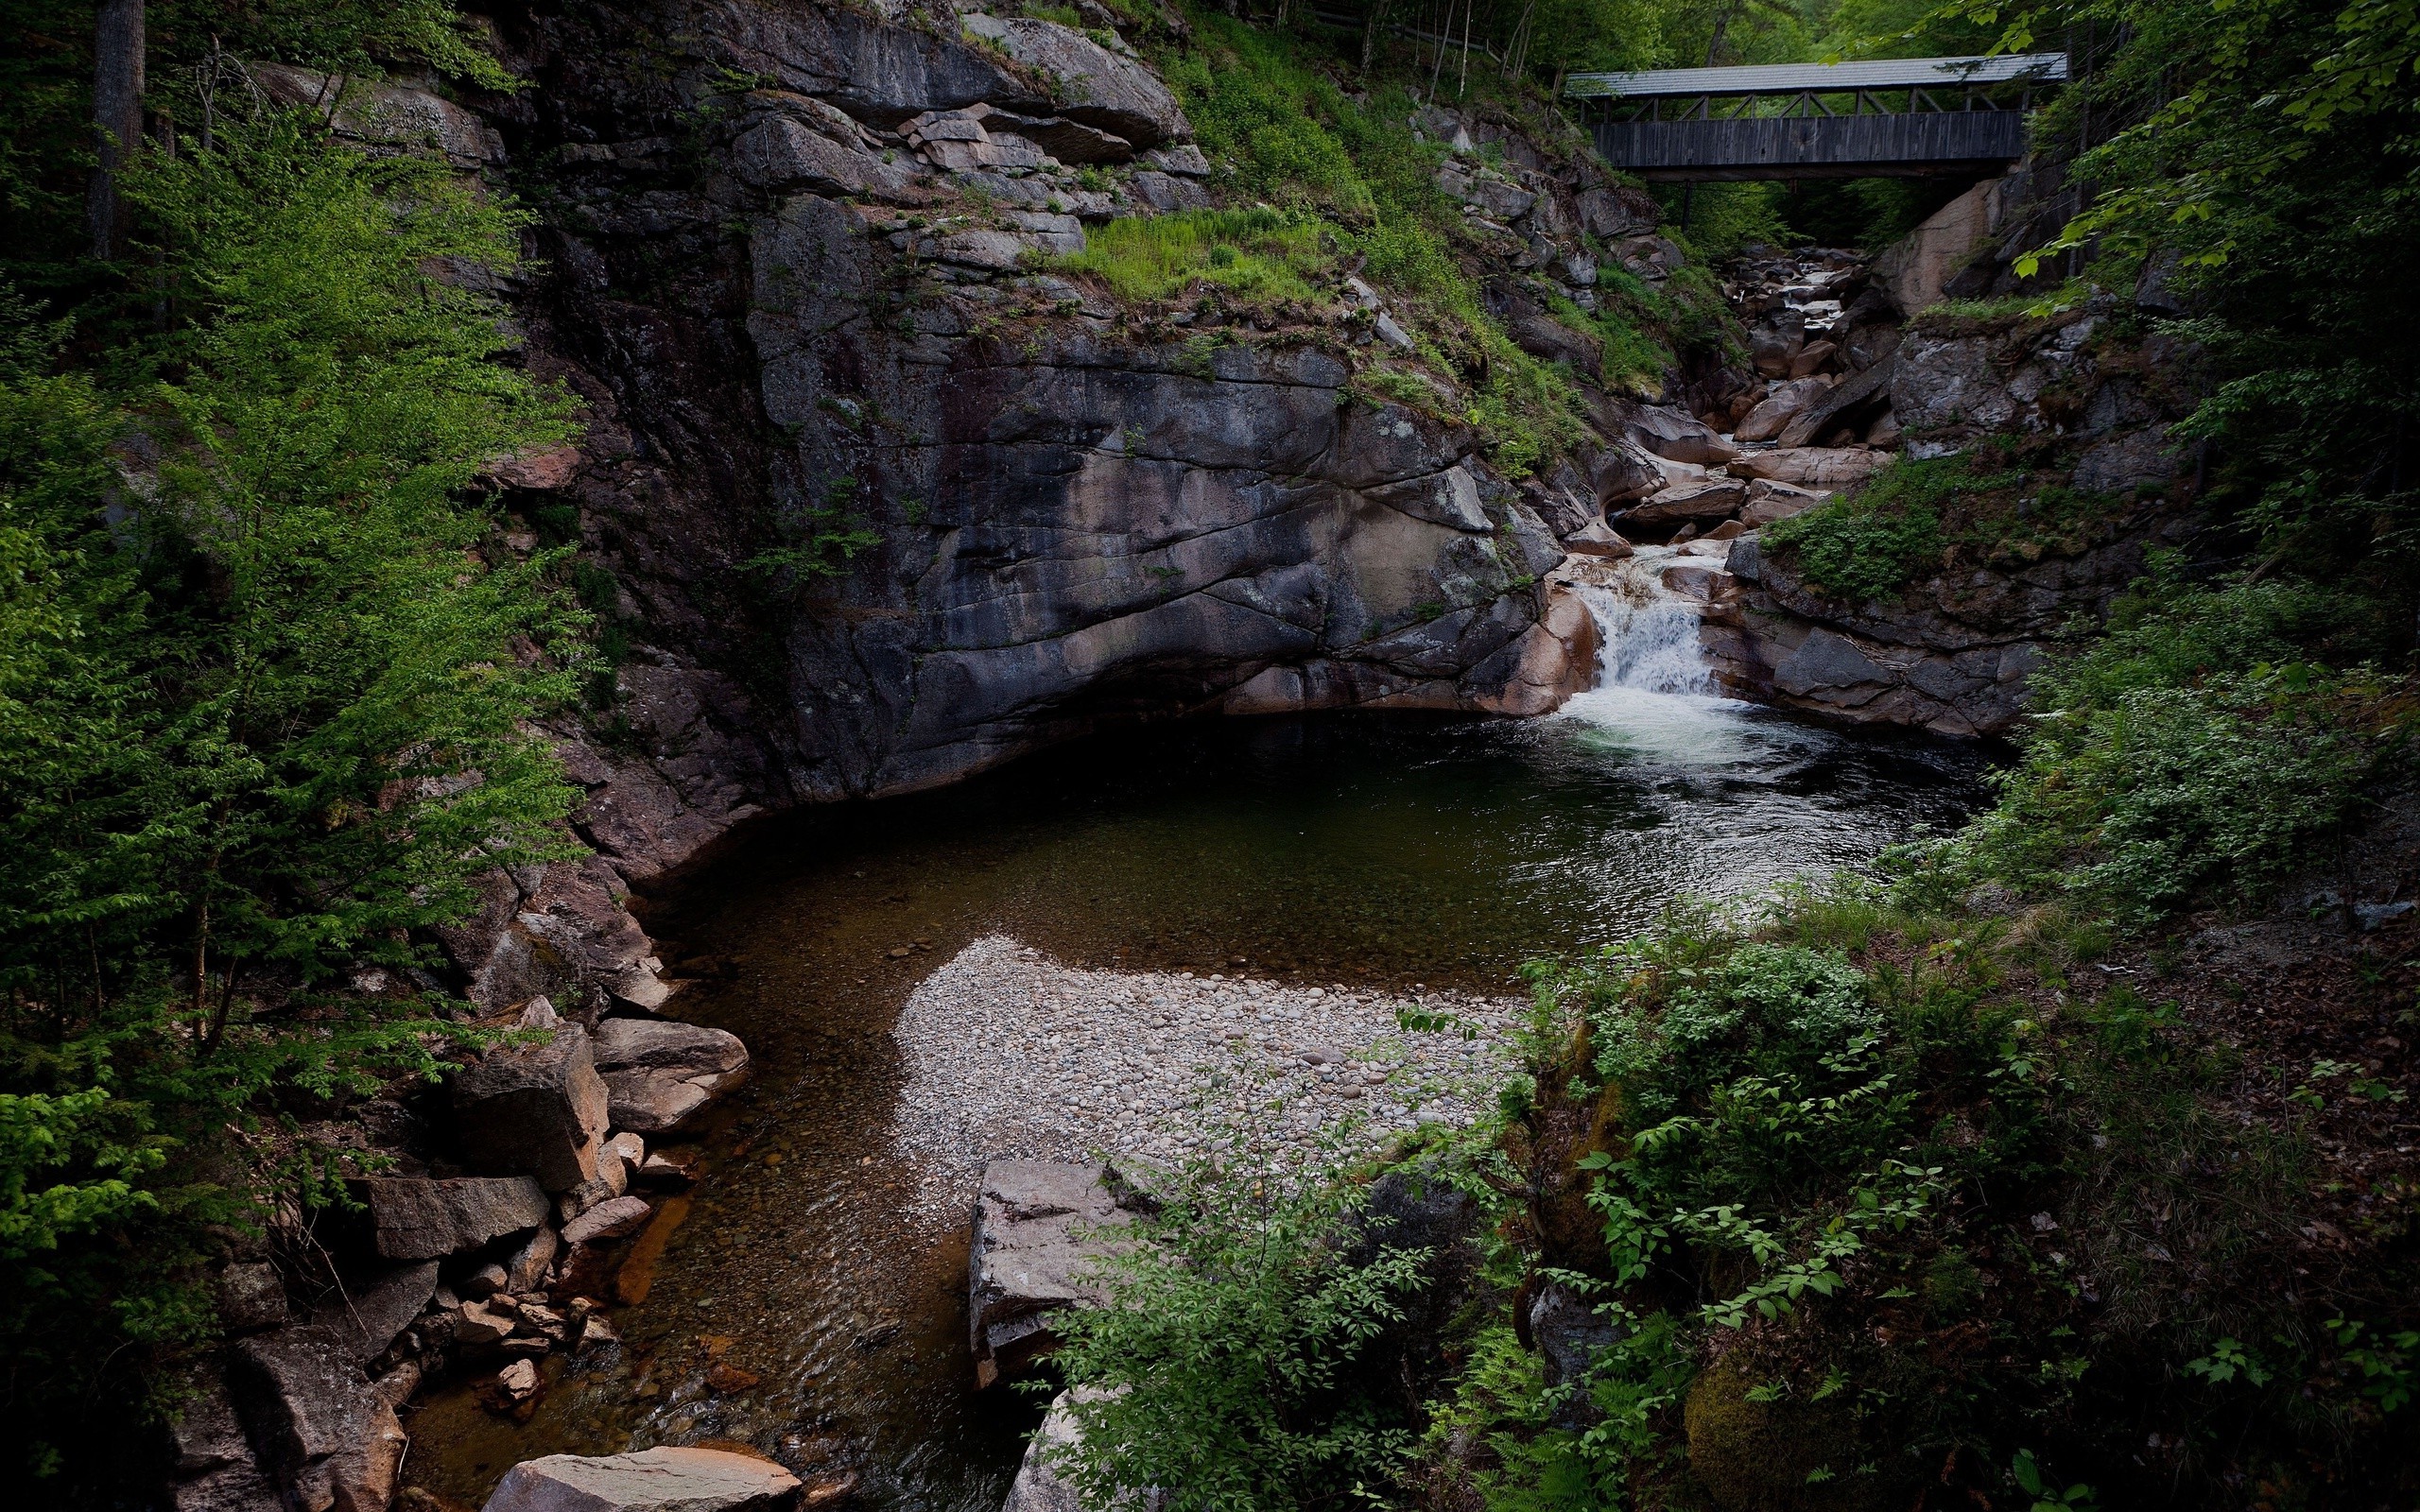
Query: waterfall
point(1647, 635)
point(1656, 700)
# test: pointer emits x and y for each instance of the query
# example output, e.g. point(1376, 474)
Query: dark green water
point(1354, 848)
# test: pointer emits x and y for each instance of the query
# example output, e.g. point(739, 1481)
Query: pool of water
point(1405, 848)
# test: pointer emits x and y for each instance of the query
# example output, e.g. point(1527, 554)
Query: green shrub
point(1225, 1366)
point(268, 714)
point(1868, 546)
point(1286, 133)
point(2196, 751)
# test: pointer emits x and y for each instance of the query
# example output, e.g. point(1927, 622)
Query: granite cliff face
point(871, 501)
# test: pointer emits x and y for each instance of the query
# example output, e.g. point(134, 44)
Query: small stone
point(477, 1325)
point(726, 1378)
point(518, 1380)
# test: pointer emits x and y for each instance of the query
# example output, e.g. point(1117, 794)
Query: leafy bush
point(1868, 546)
point(1227, 1365)
point(2176, 757)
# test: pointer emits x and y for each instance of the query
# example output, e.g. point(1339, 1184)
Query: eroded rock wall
point(872, 500)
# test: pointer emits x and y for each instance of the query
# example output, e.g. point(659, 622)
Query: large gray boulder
point(662, 1074)
point(652, 1480)
point(1812, 465)
point(782, 155)
point(1090, 83)
point(1777, 409)
point(538, 1109)
point(415, 1219)
point(874, 71)
point(1040, 1227)
point(326, 1434)
point(213, 1469)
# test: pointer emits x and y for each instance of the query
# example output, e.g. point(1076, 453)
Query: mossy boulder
point(1785, 1455)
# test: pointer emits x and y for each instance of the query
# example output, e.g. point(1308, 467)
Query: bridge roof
point(1793, 79)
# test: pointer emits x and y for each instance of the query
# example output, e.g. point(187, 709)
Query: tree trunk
point(1370, 32)
point(118, 118)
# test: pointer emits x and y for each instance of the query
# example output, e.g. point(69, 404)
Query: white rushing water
point(1655, 698)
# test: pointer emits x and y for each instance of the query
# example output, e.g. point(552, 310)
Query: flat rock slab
point(661, 1074)
point(1039, 1226)
point(652, 1480)
point(415, 1219)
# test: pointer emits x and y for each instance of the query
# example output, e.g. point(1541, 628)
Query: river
point(1363, 849)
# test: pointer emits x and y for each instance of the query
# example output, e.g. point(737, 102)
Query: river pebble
point(1011, 1055)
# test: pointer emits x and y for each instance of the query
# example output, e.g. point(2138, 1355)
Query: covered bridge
point(1909, 117)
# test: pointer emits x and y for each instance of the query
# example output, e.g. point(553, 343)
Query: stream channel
point(1385, 849)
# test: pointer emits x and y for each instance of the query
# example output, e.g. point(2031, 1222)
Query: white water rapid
point(1655, 697)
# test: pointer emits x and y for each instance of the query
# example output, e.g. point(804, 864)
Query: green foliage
point(1290, 136)
point(46, 83)
point(267, 707)
point(2195, 748)
point(1869, 546)
point(2266, 170)
point(1254, 254)
point(1224, 1366)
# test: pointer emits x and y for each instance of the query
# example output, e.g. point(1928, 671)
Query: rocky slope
point(2064, 416)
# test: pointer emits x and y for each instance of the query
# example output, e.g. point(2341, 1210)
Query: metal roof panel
point(1792, 78)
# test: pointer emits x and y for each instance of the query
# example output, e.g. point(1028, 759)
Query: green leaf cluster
point(1226, 1364)
point(269, 685)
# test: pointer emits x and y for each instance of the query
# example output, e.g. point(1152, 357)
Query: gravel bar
point(1011, 1055)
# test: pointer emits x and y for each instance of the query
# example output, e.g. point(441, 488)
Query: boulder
point(1038, 1487)
point(1812, 467)
point(537, 1109)
point(526, 1270)
point(387, 114)
point(1714, 499)
point(1681, 438)
point(1089, 83)
point(1811, 358)
point(1768, 501)
point(627, 1149)
point(1851, 401)
point(1596, 538)
point(1778, 408)
point(250, 1295)
point(1702, 581)
point(608, 1220)
point(652, 1480)
point(1038, 1228)
point(1549, 339)
point(1775, 341)
point(661, 1074)
point(1569, 1334)
point(1918, 267)
point(1828, 661)
point(415, 1219)
point(327, 1435)
point(214, 1469)
point(371, 1316)
point(783, 156)
point(1621, 472)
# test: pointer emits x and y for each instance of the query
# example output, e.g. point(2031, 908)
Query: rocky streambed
point(1011, 1055)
